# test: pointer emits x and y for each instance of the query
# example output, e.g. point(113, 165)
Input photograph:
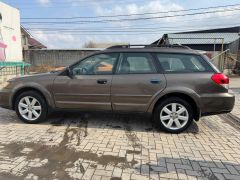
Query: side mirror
point(69, 73)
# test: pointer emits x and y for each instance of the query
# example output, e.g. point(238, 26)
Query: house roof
point(34, 43)
point(202, 38)
point(235, 29)
point(208, 36)
point(26, 33)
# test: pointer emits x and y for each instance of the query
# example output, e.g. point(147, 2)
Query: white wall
point(11, 33)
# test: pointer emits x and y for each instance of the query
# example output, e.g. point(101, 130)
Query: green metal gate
point(13, 68)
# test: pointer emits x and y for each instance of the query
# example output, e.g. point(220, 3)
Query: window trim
point(91, 56)
point(121, 58)
point(182, 72)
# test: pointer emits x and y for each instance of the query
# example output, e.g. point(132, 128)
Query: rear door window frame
point(155, 64)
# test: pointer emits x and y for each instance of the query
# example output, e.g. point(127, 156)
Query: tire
point(39, 110)
point(169, 120)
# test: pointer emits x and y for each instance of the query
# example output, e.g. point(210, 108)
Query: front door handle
point(102, 81)
point(155, 81)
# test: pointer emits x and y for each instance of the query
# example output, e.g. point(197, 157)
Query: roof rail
point(127, 46)
point(119, 46)
point(149, 46)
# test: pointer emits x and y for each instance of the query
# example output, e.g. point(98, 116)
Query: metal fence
point(11, 69)
point(6, 71)
point(205, 44)
point(223, 52)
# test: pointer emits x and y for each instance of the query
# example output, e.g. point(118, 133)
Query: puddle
point(62, 157)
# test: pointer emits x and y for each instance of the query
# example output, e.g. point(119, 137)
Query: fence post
point(22, 69)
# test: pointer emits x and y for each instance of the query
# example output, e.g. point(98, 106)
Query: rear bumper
point(5, 98)
point(216, 103)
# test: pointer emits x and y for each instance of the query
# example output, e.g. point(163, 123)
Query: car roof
point(156, 50)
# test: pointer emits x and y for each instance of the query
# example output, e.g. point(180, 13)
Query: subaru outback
point(176, 85)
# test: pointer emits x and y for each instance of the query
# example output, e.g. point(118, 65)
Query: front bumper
point(216, 103)
point(5, 98)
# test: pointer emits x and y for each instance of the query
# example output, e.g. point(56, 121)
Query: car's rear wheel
point(173, 115)
point(31, 107)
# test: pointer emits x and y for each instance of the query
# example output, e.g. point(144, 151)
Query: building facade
point(10, 34)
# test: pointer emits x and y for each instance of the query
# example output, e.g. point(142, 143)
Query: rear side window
point(183, 63)
point(136, 63)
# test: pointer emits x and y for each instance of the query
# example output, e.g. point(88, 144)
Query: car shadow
point(136, 122)
point(182, 167)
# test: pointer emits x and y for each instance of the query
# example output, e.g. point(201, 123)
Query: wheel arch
point(187, 97)
point(29, 88)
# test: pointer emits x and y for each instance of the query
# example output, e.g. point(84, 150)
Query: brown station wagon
point(175, 84)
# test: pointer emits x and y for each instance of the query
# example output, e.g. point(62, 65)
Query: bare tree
point(90, 44)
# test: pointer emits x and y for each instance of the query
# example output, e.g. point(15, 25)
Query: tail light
point(221, 79)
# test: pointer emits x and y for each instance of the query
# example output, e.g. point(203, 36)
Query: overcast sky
point(73, 33)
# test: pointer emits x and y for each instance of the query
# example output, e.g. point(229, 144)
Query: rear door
point(136, 82)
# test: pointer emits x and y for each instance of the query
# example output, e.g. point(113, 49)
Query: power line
point(128, 33)
point(133, 19)
point(150, 29)
point(137, 14)
point(205, 20)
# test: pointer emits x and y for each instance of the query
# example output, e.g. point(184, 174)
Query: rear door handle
point(155, 81)
point(102, 81)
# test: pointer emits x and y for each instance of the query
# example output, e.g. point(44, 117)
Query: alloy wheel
point(29, 108)
point(174, 116)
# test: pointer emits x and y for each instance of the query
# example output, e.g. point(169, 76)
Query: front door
point(136, 82)
point(89, 89)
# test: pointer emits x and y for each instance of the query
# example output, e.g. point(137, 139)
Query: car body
point(128, 80)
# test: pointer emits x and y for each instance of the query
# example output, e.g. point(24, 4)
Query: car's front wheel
point(173, 115)
point(31, 107)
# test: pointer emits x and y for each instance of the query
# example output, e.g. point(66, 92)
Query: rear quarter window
point(183, 63)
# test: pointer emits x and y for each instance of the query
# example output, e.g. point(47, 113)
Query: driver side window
point(101, 64)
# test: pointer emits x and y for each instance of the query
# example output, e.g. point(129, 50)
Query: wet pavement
point(108, 146)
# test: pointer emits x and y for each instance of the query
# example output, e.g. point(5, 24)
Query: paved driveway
point(103, 146)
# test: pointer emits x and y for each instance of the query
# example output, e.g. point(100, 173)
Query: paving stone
point(100, 147)
point(232, 177)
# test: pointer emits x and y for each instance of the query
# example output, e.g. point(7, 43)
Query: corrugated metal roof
point(202, 38)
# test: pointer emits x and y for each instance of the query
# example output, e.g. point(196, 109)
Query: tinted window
point(183, 63)
point(136, 63)
point(98, 64)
